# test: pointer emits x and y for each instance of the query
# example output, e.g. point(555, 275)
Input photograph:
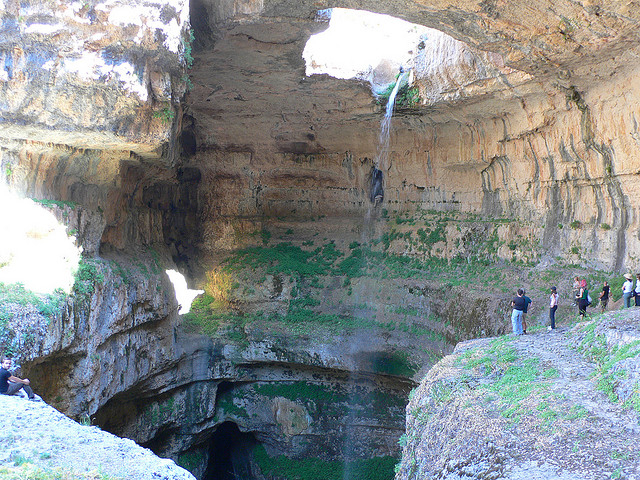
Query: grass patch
point(88, 275)
point(48, 305)
point(594, 347)
point(29, 471)
point(55, 203)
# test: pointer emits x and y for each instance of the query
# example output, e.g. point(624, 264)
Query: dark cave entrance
point(230, 454)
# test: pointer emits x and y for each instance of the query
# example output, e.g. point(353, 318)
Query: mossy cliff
point(186, 135)
point(561, 404)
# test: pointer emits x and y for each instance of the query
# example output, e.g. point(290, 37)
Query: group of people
point(582, 300)
point(629, 292)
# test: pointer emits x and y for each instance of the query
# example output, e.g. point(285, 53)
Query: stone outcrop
point(523, 146)
point(549, 405)
point(103, 76)
point(51, 444)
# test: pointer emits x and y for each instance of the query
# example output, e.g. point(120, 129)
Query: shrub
point(87, 276)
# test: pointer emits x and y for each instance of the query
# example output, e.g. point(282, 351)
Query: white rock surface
point(34, 432)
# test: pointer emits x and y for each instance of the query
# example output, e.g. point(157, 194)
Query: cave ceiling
point(539, 37)
point(251, 92)
point(249, 85)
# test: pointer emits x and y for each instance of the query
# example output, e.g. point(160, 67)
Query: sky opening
point(184, 295)
point(363, 45)
point(35, 249)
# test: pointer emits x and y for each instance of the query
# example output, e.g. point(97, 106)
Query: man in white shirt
point(627, 290)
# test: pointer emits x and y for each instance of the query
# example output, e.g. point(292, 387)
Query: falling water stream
point(382, 155)
point(360, 339)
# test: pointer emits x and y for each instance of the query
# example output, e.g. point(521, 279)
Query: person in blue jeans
point(516, 315)
point(627, 290)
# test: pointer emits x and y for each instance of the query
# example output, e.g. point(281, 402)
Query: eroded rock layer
point(254, 181)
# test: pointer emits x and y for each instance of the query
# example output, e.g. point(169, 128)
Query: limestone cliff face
point(547, 140)
point(524, 146)
point(93, 75)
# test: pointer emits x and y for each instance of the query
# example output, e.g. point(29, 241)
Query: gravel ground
point(38, 442)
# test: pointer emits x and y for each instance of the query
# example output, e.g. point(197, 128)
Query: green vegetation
point(48, 305)
point(397, 363)
point(191, 460)
point(187, 48)
point(160, 411)
point(407, 96)
point(516, 382)
point(15, 295)
point(57, 203)
point(166, 114)
point(377, 468)
point(594, 346)
point(227, 405)
point(28, 471)
point(88, 275)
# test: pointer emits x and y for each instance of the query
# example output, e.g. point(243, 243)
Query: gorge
point(187, 135)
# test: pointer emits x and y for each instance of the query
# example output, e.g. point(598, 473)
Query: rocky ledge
point(549, 405)
point(40, 442)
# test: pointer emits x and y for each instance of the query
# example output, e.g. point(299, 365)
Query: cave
point(230, 454)
point(327, 226)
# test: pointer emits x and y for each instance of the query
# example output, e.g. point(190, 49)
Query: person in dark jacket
point(583, 299)
point(527, 302)
point(517, 303)
point(10, 384)
point(604, 297)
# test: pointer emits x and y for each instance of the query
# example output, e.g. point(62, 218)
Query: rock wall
point(552, 151)
point(547, 405)
point(528, 146)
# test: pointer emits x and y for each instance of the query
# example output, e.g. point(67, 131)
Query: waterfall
point(382, 154)
point(380, 163)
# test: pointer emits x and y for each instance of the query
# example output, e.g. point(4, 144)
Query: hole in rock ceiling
point(35, 249)
point(363, 45)
point(184, 295)
point(374, 47)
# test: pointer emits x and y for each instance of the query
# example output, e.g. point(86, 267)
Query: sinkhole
point(376, 48)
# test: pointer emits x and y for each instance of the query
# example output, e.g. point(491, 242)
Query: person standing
point(9, 384)
point(627, 290)
point(553, 306)
point(576, 290)
point(516, 315)
point(637, 290)
point(583, 299)
point(604, 297)
point(527, 302)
